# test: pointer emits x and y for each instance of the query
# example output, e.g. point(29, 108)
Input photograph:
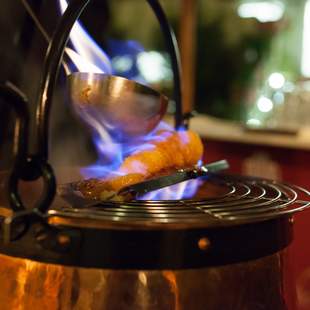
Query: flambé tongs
point(70, 193)
point(182, 175)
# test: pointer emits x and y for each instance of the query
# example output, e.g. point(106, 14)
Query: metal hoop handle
point(54, 57)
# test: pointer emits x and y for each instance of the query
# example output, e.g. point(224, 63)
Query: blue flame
point(184, 190)
point(112, 154)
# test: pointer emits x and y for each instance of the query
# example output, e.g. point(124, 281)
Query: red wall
point(287, 165)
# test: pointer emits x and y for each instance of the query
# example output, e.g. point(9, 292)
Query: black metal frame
point(156, 249)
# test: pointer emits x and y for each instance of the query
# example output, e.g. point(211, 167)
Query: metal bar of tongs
point(145, 187)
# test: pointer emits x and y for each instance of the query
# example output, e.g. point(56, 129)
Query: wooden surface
point(222, 130)
point(188, 50)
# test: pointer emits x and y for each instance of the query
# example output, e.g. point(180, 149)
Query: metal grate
point(221, 199)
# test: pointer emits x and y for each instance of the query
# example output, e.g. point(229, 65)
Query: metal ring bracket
point(42, 169)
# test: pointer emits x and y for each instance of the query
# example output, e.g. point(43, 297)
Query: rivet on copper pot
point(204, 244)
point(63, 240)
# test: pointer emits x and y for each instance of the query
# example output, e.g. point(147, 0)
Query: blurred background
point(246, 70)
point(246, 61)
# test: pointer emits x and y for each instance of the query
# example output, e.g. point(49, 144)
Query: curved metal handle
point(173, 50)
point(55, 54)
point(25, 167)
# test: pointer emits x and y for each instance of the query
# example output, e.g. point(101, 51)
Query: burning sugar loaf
point(161, 152)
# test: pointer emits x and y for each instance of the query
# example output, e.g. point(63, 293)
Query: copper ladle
point(126, 108)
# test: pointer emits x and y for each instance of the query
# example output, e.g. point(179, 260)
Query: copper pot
point(98, 258)
point(28, 284)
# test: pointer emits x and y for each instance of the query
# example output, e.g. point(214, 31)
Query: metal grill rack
point(233, 199)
